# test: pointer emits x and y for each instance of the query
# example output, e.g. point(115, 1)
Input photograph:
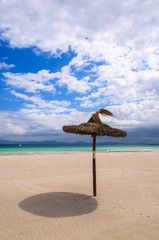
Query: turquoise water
point(14, 150)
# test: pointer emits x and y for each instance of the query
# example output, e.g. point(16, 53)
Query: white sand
point(49, 197)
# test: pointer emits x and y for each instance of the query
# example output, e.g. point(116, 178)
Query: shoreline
point(46, 150)
point(76, 152)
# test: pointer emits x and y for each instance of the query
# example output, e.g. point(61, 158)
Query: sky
point(62, 60)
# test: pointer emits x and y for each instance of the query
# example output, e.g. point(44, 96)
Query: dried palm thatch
point(95, 127)
point(98, 129)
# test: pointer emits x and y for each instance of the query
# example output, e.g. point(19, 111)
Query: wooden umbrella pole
point(94, 165)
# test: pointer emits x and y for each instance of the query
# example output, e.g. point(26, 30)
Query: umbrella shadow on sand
point(59, 204)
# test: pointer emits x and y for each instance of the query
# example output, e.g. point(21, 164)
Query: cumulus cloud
point(57, 24)
point(45, 81)
point(31, 82)
point(116, 46)
point(72, 83)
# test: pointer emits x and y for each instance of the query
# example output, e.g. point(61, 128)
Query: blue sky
point(60, 61)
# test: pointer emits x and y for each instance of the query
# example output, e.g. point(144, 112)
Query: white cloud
point(4, 65)
point(124, 77)
point(45, 81)
point(37, 124)
point(31, 82)
point(11, 125)
point(72, 83)
point(54, 105)
point(16, 129)
point(145, 113)
point(58, 24)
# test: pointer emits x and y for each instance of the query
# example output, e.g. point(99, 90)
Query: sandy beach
point(49, 197)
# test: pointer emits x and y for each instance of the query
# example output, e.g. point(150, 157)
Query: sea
point(24, 150)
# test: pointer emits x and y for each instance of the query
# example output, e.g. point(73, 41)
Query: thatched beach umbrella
point(95, 127)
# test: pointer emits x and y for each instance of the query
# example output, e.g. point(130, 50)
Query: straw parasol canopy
point(95, 127)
